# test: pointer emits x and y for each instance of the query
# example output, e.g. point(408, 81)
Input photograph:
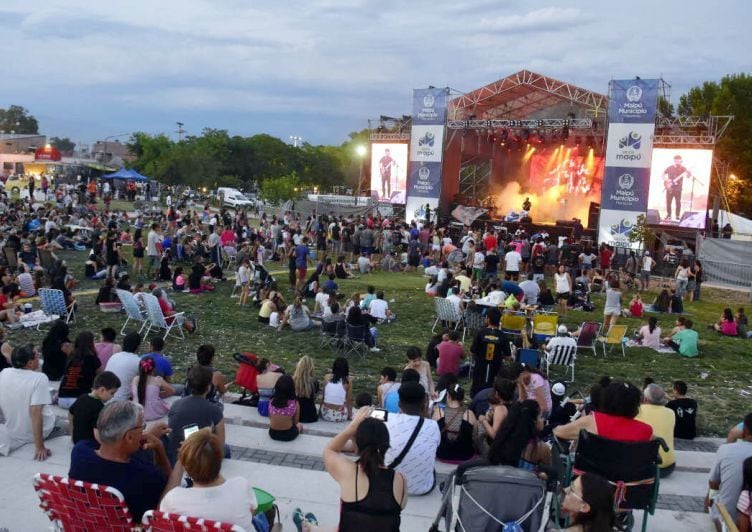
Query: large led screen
point(679, 182)
point(389, 171)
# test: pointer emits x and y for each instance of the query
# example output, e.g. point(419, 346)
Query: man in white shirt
point(562, 338)
point(321, 302)
point(417, 464)
point(647, 268)
point(364, 264)
point(24, 402)
point(125, 365)
point(379, 308)
point(512, 262)
point(455, 300)
point(531, 289)
point(152, 239)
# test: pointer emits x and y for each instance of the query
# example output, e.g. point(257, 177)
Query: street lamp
point(296, 140)
point(361, 151)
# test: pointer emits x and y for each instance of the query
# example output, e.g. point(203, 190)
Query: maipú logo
point(634, 93)
point(426, 140)
point(632, 140)
point(428, 100)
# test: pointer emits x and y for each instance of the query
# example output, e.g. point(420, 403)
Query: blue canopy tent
point(124, 173)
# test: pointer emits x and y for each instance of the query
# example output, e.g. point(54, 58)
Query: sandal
point(298, 518)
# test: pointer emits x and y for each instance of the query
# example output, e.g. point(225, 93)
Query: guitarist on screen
point(385, 169)
point(673, 177)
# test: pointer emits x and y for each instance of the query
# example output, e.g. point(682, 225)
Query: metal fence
point(725, 273)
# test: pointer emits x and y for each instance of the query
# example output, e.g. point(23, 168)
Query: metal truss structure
point(523, 94)
point(545, 123)
point(474, 178)
point(377, 136)
point(687, 130)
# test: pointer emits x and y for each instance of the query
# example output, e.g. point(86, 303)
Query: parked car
point(232, 197)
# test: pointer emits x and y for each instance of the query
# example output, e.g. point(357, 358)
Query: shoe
point(374, 349)
point(311, 519)
point(298, 518)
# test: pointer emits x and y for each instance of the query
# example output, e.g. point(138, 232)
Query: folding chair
point(354, 340)
point(529, 357)
point(11, 257)
point(562, 355)
point(76, 506)
point(330, 334)
point(446, 312)
point(513, 324)
point(133, 310)
point(631, 467)
point(544, 327)
point(614, 336)
point(155, 521)
point(229, 256)
point(53, 305)
point(589, 332)
point(157, 319)
point(472, 320)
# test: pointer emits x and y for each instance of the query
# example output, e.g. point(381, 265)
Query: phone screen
point(189, 429)
point(380, 413)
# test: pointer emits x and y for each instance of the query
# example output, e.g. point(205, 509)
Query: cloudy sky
point(320, 68)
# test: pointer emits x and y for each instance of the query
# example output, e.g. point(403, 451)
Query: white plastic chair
point(157, 319)
point(133, 310)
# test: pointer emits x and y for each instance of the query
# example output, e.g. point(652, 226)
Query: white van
point(233, 197)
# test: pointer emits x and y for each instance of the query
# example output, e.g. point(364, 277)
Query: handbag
point(397, 461)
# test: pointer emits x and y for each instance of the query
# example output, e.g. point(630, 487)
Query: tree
point(276, 190)
point(732, 96)
point(64, 145)
point(641, 234)
point(17, 119)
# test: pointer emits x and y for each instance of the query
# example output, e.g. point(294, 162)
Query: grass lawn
point(715, 378)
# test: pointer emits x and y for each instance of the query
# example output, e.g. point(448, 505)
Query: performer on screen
point(385, 169)
point(673, 177)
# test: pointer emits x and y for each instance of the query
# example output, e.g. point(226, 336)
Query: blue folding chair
point(529, 357)
point(53, 305)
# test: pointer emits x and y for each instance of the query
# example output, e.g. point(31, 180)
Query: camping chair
point(472, 321)
point(73, 505)
point(46, 261)
point(133, 310)
point(631, 467)
point(561, 355)
point(544, 327)
point(513, 324)
point(157, 319)
point(614, 336)
point(54, 307)
point(11, 257)
point(155, 521)
point(529, 357)
point(229, 257)
point(447, 313)
point(330, 334)
point(354, 340)
point(589, 332)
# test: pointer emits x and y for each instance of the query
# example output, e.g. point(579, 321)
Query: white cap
point(647, 253)
point(563, 329)
point(559, 388)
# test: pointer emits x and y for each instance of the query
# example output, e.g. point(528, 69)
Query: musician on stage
point(385, 169)
point(673, 177)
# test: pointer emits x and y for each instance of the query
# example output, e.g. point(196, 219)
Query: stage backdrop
point(679, 181)
point(426, 152)
point(631, 115)
point(389, 171)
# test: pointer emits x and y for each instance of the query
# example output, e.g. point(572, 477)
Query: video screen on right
point(679, 183)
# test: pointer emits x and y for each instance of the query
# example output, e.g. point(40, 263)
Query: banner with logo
point(626, 181)
point(426, 152)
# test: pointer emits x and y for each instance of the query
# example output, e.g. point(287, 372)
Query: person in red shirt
point(451, 353)
point(604, 257)
point(490, 241)
point(615, 420)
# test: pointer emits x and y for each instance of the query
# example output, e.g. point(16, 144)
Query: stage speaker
point(653, 217)
point(593, 214)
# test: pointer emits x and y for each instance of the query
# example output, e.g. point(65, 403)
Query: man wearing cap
point(417, 463)
point(654, 412)
point(490, 346)
point(645, 271)
point(562, 338)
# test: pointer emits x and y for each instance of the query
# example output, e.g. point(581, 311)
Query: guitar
point(669, 184)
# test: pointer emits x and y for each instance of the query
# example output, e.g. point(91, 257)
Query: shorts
point(138, 253)
point(644, 275)
point(284, 435)
point(612, 312)
point(302, 271)
point(413, 261)
point(436, 248)
point(563, 295)
point(333, 415)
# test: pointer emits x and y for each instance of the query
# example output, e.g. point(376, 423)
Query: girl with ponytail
point(149, 389)
point(372, 495)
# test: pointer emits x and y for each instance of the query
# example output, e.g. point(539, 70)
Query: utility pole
point(180, 131)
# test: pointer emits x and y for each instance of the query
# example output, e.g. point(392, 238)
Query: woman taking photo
point(284, 411)
point(336, 400)
point(589, 503)
point(148, 390)
point(212, 496)
point(306, 389)
point(372, 496)
point(563, 288)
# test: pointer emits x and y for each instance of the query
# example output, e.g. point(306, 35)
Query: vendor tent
point(124, 173)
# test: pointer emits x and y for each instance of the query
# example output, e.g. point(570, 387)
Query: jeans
point(681, 287)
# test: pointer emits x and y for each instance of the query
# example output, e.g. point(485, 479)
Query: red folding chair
point(155, 521)
point(77, 506)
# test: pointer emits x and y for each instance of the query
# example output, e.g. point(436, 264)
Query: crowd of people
point(450, 402)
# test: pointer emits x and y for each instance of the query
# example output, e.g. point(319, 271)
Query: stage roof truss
point(389, 137)
point(524, 93)
point(540, 123)
point(685, 130)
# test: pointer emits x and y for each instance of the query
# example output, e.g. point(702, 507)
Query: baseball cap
point(563, 329)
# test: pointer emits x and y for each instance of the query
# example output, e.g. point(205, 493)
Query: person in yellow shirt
point(654, 412)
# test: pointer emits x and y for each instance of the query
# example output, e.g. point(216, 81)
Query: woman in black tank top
point(371, 495)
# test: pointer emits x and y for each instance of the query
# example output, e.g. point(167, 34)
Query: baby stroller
point(487, 498)
point(580, 298)
point(246, 378)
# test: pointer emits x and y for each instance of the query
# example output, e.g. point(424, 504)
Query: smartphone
point(188, 430)
point(380, 413)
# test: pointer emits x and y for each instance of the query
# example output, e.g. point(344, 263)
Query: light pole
point(296, 140)
point(104, 155)
point(361, 151)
